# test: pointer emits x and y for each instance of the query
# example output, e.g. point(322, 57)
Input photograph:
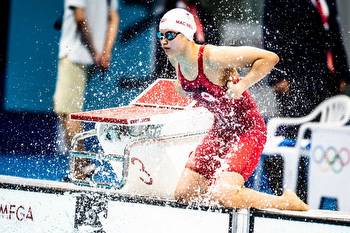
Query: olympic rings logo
point(331, 158)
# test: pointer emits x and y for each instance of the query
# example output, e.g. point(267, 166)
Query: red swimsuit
point(238, 135)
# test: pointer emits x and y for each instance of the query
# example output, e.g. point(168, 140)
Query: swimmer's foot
point(293, 202)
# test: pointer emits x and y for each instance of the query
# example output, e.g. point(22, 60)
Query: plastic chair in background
point(334, 111)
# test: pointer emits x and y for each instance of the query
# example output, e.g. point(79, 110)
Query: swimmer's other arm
point(178, 86)
point(181, 91)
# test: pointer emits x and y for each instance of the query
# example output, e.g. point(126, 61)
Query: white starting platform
point(37, 206)
point(145, 145)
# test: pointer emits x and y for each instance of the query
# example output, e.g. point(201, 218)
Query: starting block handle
point(118, 184)
point(81, 136)
point(78, 137)
point(91, 155)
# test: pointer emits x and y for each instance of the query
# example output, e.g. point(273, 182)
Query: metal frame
point(124, 159)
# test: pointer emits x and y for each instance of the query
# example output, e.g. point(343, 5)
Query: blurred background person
point(313, 66)
point(89, 30)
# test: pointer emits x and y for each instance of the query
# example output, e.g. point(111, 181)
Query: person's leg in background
point(68, 98)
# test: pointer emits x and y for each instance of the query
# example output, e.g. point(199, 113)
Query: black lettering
point(3, 209)
point(30, 214)
point(19, 213)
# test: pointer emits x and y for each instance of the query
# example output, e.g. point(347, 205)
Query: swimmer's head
point(179, 20)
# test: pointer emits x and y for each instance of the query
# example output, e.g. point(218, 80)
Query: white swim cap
point(179, 20)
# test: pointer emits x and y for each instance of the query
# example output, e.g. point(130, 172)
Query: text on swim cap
point(184, 23)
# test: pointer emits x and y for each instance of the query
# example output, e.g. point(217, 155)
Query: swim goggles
point(168, 35)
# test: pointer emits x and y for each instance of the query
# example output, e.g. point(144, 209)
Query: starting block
point(145, 145)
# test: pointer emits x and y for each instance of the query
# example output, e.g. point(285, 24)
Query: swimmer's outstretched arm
point(261, 62)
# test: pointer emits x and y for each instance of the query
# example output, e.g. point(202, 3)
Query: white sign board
point(134, 217)
point(25, 211)
point(330, 166)
point(271, 225)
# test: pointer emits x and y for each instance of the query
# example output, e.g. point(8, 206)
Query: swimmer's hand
point(235, 91)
